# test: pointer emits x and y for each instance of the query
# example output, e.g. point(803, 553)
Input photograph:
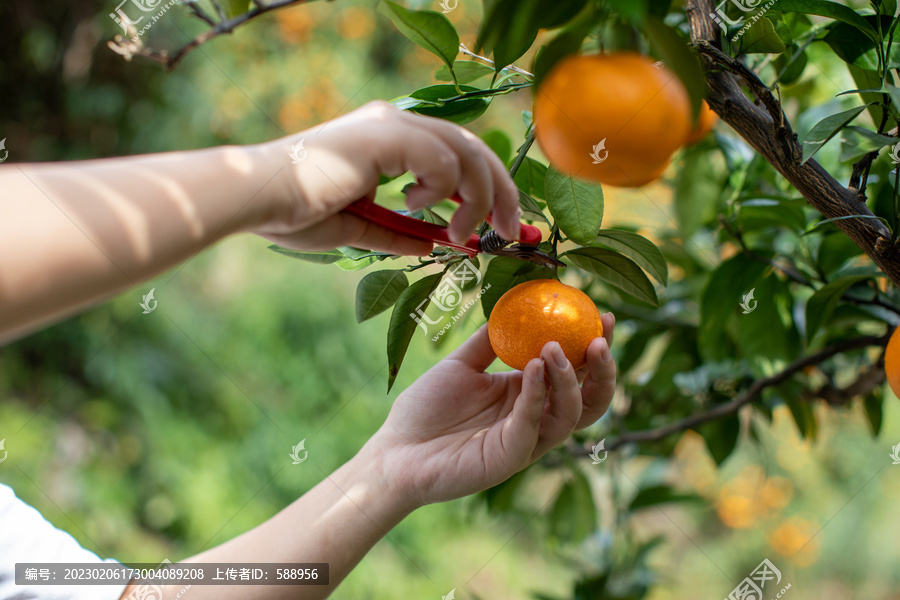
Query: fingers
point(484, 186)
point(600, 384)
point(475, 352)
point(521, 429)
point(437, 164)
point(564, 410)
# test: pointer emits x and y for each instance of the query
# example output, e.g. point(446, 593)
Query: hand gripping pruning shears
point(489, 243)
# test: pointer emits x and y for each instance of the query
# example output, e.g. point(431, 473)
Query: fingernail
point(605, 354)
point(540, 373)
point(516, 229)
point(559, 356)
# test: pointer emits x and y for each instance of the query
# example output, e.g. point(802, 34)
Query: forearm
point(74, 233)
point(337, 522)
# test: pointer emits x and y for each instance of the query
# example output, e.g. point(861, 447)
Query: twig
point(513, 68)
point(763, 126)
point(129, 48)
point(201, 14)
point(723, 410)
point(760, 90)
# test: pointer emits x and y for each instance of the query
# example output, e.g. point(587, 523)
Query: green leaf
point(721, 437)
point(857, 141)
point(576, 205)
point(505, 273)
point(790, 393)
point(790, 65)
point(531, 178)
point(511, 26)
point(765, 334)
point(673, 48)
point(234, 8)
point(658, 494)
point(826, 8)
point(760, 38)
point(501, 498)
point(403, 326)
point(531, 210)
point(377, 292)
point(698, 186)
point(430, 30)
point(466, 71)
point(873, 404)
point(637, 248)
point(574, 514)
point(763, 213)
point(826, 129)
point(723, 294)
point(615, 269)
point(432, 101)
point(866, 79)
point(325, 257)
point(356, 258)
point(821, 305)
point(498, 142)
point(858, 49)
point(821, 224)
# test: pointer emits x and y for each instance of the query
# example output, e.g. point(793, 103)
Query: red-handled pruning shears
point(490, 243)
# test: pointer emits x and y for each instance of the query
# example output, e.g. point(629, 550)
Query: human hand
point(458, 430)
point(344, 160)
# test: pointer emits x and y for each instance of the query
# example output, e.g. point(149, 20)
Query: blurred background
point(156, 436)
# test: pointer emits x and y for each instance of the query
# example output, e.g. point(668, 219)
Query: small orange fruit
point(614, 118)
point(540, 311)
point(892, 362)
point(706, 120)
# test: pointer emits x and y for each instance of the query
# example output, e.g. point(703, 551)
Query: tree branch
point(723, 410)
point(129, 47)
point(768, 132)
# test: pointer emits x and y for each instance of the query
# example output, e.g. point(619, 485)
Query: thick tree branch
point(768, 132)
point(129, 47)
point(723, 410)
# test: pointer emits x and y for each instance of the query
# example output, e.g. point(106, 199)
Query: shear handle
point(429, 232)
point(414, 228)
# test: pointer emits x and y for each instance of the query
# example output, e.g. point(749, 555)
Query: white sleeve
point(26, 536)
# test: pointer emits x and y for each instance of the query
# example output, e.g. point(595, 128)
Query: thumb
point(522, 428)
point(476, 352)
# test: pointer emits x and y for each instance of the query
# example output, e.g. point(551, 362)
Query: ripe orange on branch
point(892, 362)
point(621, 103)
point(706, 120)
point(540, 311)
